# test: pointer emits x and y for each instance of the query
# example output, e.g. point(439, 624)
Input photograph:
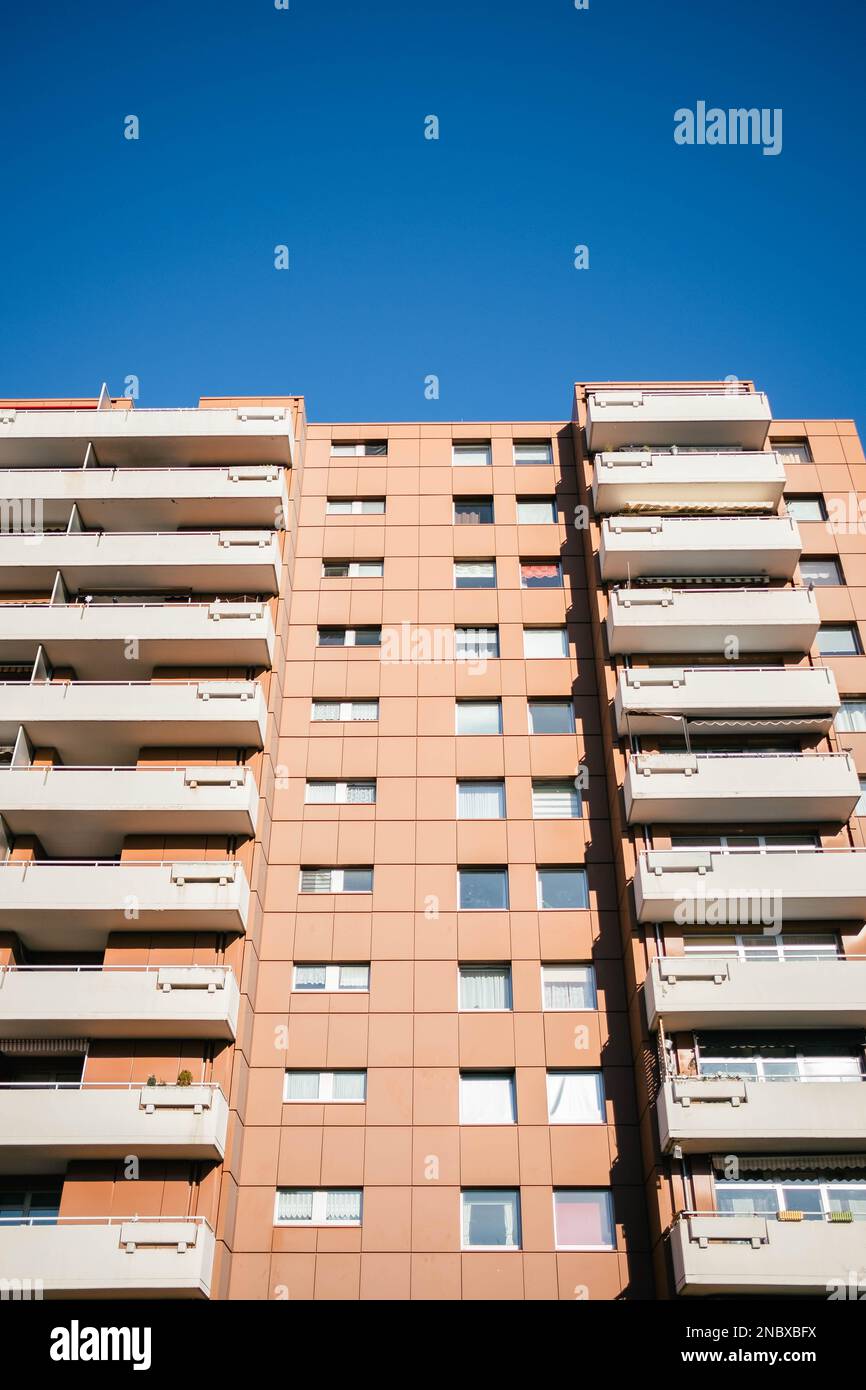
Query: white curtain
point(295, 1206)
point(473, 643)
point(354, 976)
point(544, 641)
point(534, 513)
point(568, 987)
point(321, 793)
point(479, 717)
point(480, 800)
point(310, 977)
point(555, 801)
point(326, 710)
point(851, 718)
point(349, 1085)
point(302, 1085)
point(485, 989)
point(575, 1098)
point(360, 793)
point(316, 881)
point(490, 1218)
point(365, 710)
point(343, 1206)
point(487, 1100)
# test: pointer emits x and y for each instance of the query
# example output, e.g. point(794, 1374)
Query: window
point(480, 800)
point(490, 1218)
point(583, 1219)
point(536, 511)
point(823, 572)
point(353, 569)
point(332, 979)
point(346, 711)
point(30, 1206)
point(532, 451)
point(568, 987)
point(806, 507)
point(336, 881)
point(487, 1098)
point(544, 641)
point(472, 453)
point(318, 1206)
point(851, 718)
point(838, 639)
point(485, 988)
point(555, 800)
point(860, 808)
point(551, 717)
point(474, 574)
point(762, 946)
point(482, 889)
point(540, 574)
point(355, 506)
point(473, 511)
point(575, 1098)
point(475, 643)
point(349, 636)
point(319, 793)
point(369, 448)
point(814, 1197)
point(778, 1060)
point(792, 450)
point(325, 1086)
point(479, 716)
point(560, 887)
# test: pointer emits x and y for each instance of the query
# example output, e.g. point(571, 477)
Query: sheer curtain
point(354, 976)
point(485, 989)
point(295, 1206)
point(349, 1085)
point(480, 800)
point(490, 1218)
point(343, 1206)
point(575, 1098)
point(568, 987)
point(487, 1100)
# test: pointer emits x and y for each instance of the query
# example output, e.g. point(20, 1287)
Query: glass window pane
point(302, 1085)
point(535, 511)
point(540, 574)
point(474, 453)
point(360, 793)
point(294, 1205)
point(860, 808)
point(791, 450)
point(350, 1085)
point(474, 574)
point(309, 977)
point(339, 506)
point(316, 881)
point(479, 717)
point(332, 636)
point(820, 572)
point(551, 717)
point(491, 1218)
point(368, 636)
point(851, 718)
point(476, 643)
point(357, 880)
point(487, 1098)
point(476, 511)
point(328, 710)
point(372, 506)
point(838, 640)
point(485, 987)
point(568, 986)
point(559, 800)
point(583, 1219)
point(545, 641)
point(354, 977)
point(575, 1097)
point(533, 451)
point(365, 710)
point(806, 508)
point(483, 888)
point(321, 793)
point(746, 1199)
point(562, 888)
point(480, 800)
point(343, 1206)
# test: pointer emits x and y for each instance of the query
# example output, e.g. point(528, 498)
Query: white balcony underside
point(695, 886)
point(621, 419)
point(171, 560)
point(73, 907)
point(788, 1258)
point(51, 438)
point(733, 1116)
point(740, 788)
point(91, 811)
point(158, 1003)
point(42, 1129)
point(632, 547)
point(120, 720)
point(655, 700)
point(78, 1259)
point(697, 991)
point(128, 642)
point(160, 499)
point(705, 621)
point(706, 481)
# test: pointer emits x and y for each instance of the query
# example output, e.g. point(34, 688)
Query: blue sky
point(411, 257)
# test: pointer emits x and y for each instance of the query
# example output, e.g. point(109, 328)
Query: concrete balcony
point(48, 438)
point(740, 787)
point(156, 1257)
point(705, 620)
point(240, 562)
point(158, 499)
point(72, 907)
point(107, 641)
point(632, 547)
point(698, 991)
point(717, 1253)
point(721, 699)
point(708, 887)
point(89, 811)
point(190, 1001)
point(40, 1125)
point(632, 419)
point(120, 719)
point(705, 1114)
point(639, 480)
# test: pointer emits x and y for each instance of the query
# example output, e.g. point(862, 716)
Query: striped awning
point(790, 1163)
point(697, 508)
point(42, 1047)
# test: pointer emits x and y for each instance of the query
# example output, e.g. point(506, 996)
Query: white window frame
point(332, 977)
point(503, 1249)
point(541, 560)
point(532, 632)
point(841, 724)
point(562, 786)
point(349, 638)
point(544, 444)
point(604, 1192)
point(462, 447)
point(345, 715)
point(570, 965)
point(320, 1206)
point(484, 1074)
point(477, 653)
point(549, 502)
point(598, 1077)
point(341, 791)
point(488, 968)
point(764, 946)
point(326, 1087)
point(480, 868)
point(577, 869)
point(336, 881)
point(820, 1185)
point(334, 507)
point(492, 733)
point(488, 782)
point(544, 701)
point(347, 449)
point(353, 569)
point(464, 561)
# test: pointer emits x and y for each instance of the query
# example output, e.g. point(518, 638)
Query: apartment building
point(431, 865)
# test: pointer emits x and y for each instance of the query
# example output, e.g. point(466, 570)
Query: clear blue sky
point(411, 257)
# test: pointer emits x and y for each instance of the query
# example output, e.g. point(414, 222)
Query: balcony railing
point(719, 699)
point(704, 991)
point(707, 619)
point(733, 1253)
point(632, 547)
point(740, 787)
point(730, 1114)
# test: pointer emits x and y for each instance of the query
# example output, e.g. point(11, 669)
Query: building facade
point(431, 864)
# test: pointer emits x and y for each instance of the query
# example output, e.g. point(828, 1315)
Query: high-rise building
point(431, 864)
